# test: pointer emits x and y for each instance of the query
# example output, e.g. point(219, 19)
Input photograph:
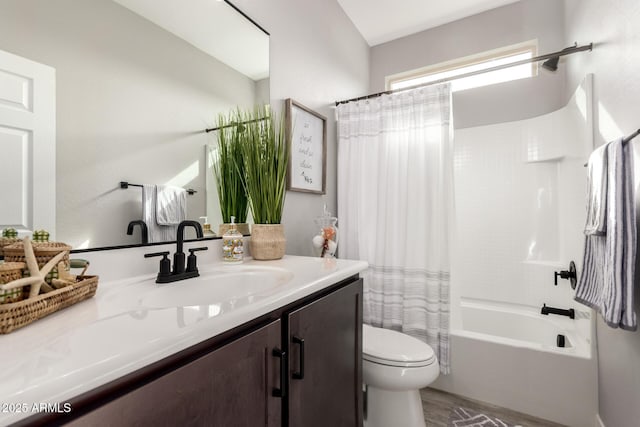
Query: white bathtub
point(507, 355)
point(524, 326)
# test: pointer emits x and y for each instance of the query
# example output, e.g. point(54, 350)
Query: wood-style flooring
point(437, 406)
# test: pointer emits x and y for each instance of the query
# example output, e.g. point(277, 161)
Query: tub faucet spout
point(571, 313)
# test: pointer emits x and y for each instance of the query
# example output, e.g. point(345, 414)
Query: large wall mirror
point(137, 82)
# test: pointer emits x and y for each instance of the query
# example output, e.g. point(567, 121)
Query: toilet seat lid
point(394, 348)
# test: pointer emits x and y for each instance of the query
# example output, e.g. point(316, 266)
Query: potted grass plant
point(228, 168)
point(265, 157)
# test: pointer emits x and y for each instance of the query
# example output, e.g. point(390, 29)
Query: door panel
point(16, 91)
point(27, 144)
point(15, 148)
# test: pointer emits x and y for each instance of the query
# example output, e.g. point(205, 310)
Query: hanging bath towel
point(607, 279)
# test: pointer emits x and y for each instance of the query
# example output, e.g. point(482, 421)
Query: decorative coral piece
point(328, 232)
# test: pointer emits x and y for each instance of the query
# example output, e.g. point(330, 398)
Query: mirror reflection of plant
point(228, 168)
point(265, 158)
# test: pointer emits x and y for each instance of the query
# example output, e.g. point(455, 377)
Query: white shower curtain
point(394, 201)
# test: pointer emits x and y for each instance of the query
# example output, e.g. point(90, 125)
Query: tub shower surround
point(525, 184)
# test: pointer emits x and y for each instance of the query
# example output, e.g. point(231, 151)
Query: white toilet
point(395, 367)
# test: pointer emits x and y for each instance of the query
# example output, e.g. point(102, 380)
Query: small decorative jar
point(10, 233)
point(10, 271)
point(9, 237)
point(325, 243)
point(40, 236)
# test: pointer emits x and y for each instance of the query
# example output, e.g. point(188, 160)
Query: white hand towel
point(171, 205)
point(157, 233)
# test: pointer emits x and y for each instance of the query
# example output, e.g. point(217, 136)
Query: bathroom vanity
point(266, 343)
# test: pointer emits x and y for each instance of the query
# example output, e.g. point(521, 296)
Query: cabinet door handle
point(300, 374)
point(280, 392)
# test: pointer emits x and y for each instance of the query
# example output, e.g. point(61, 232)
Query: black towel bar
point(125, 185)
point(625, 140)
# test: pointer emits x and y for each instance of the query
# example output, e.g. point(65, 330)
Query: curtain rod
point(568, 51)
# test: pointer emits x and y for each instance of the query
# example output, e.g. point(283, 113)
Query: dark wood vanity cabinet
point(299, 366)
point(226, 387)
point(325, 362)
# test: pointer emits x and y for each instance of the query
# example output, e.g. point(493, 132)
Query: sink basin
point(232, 285)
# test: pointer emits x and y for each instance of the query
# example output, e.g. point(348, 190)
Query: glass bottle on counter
point(325, 243)
point(232, 246)
point(206, 227)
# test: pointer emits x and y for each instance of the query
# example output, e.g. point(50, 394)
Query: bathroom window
point(468, 64)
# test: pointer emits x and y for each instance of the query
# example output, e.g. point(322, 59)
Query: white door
point(27, 145)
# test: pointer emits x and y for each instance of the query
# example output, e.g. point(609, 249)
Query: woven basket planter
point(44, 252)
point(267, 241)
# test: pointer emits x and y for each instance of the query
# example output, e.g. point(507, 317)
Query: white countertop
point(134, 322)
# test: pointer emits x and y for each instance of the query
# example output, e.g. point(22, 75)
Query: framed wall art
point(306, 133)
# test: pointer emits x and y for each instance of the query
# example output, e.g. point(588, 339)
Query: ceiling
point(380, 21)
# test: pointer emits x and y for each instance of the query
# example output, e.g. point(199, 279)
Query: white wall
point(317, 58)
point(132, 104)
point(614, 27)
point(507, 25)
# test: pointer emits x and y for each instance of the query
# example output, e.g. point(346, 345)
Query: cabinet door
point(231, 386)
point(325, 364)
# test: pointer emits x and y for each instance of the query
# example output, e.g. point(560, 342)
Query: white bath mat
point(463, 417)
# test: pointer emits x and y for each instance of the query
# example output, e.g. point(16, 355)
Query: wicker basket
point(43, 251)
point(10, 271)
point(18, 314)
point(6, 241)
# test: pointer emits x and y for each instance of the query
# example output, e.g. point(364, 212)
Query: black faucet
point(178, 257)
point(166, 274)
point(571, 313)
point(143, 230)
